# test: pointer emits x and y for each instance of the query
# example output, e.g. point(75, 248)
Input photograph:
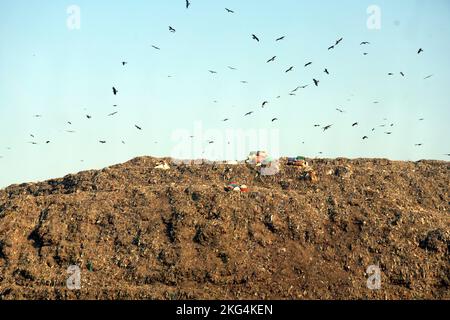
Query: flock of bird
point(315, 82)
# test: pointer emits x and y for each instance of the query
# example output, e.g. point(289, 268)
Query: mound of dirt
point(137, 232)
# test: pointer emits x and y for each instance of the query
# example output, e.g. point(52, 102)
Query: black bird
point(38, 116)
point(316, 125)
point(419, 144)
point(364, 42)
point(355, 124)
point(308, 64)
point(290, 69)
point(316, 82)
point(229, 10)
point(232, 68)
point(373, 129)
point(212, 71)
point(69, 122)
point(243, 81)
point(339, 41)
point(211, 142)
point(155, 47)
point(365, 137)
point(421, 119)
point(224, 120)
point(280, 38)
point(124, 63)
point(340, 110)
point(428, 77)
point(111, 114)
point(327, 127)
point(264, 104)
point(389, 133)
point(255, 37)
point(172, 29)
point(326, 71)
point(365, 53)
point(88, 116)
point(332, 47)
point(271, 59)
point(390, 74)
point(248, 113)
point(137, 127)
point(274, 119)
point(47, 142)
point(33, 143)
point(31, 135)
point(402, 74)
point(102, 141)
point(115, 91)
point(420, 51)
point(295, 89)
point(187, 4)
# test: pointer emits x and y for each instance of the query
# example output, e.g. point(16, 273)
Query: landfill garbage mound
point(157, 229)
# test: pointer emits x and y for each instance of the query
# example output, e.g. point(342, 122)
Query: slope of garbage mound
point(175, 232)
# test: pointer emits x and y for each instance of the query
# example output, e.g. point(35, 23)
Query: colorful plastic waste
point(236, 187)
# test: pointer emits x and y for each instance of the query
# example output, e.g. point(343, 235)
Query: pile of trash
point(298, 162)
point(266, 165)
point(131, 231)
point(162, 166)
point(307, 171)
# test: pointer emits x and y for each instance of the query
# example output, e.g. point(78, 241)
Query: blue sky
point(63, 74)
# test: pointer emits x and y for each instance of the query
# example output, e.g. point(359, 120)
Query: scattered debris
point(163, 166)
point(236, 187)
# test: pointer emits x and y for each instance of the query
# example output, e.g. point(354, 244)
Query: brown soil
point(141, 233)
